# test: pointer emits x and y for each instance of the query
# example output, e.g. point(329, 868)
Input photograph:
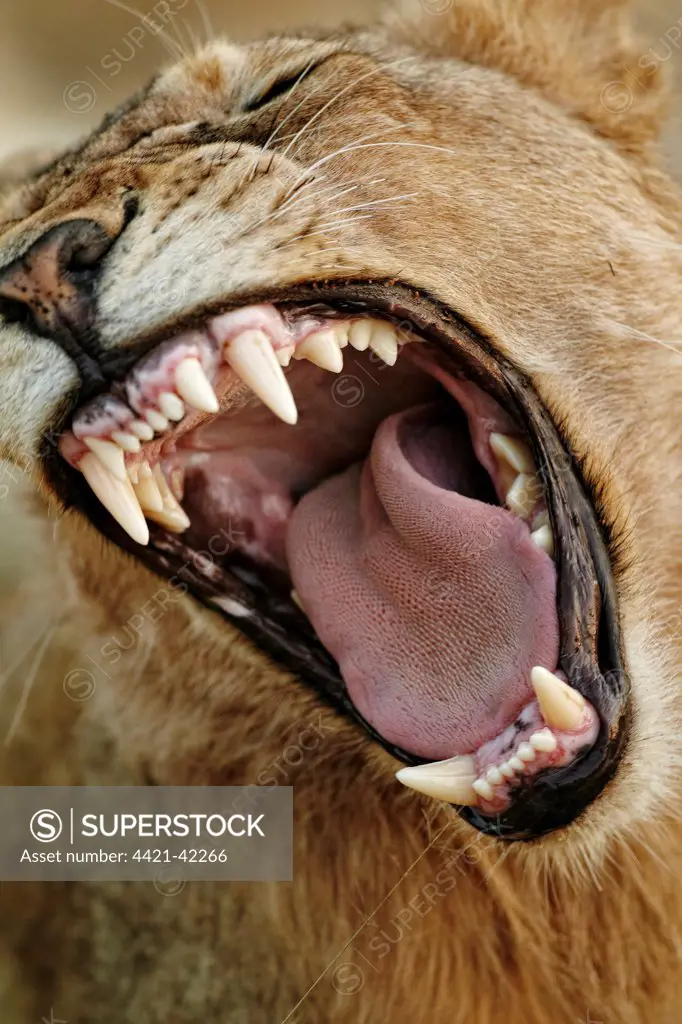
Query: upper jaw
point(590, 654)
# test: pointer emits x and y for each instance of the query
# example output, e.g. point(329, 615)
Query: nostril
point(13, 311)
point(84, 248)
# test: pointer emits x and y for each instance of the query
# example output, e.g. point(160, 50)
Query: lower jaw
point(555, 786)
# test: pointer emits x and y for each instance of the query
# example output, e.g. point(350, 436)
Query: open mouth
point(385, 506)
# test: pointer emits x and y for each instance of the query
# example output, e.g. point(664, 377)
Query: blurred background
point(64, 63)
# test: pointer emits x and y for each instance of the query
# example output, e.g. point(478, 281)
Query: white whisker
point(29, 682)
point(342, 92)
point(170, 45)
point(373, 145)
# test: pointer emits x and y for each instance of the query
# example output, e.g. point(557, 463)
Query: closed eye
point(287, 83)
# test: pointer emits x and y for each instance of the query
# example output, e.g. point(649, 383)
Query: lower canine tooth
point(524, 495)
point(118, 498)
point(384, 342)
point(544, 538)
point(284, 355)
point(450, 780)
point(562, 707)
point(110, 455)
point(323, 350)
point(252, 356)
point(194, 386)
point(359, 334)
point(515, 452)
point(171, 406)
point(147, 491)
point(128, 442)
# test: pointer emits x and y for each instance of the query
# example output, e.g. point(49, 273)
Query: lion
point(360, 350)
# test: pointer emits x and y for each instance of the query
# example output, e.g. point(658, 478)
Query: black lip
point(591, 653)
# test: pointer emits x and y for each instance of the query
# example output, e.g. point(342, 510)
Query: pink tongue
point(435, 605)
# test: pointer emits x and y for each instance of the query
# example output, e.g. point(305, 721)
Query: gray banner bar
point(164, 834)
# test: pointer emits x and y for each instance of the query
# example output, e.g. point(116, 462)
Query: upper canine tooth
point(450, 780)
point(544, 538)
point(561, 705)
point(110, 455)
point(284, 355)
point(118, 498)
point(128, 442)
point(359, 334)
point(384, 342)
point(155, 420)
point(323, 350)
point(147, 490)
point(142, 430)
point(171, 406)
point(524, 494)
point(514, 451)
point(194, 386)
point(252, 356)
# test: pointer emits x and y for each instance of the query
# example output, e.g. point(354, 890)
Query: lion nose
point(50, 286)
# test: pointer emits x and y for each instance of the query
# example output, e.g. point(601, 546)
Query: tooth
point(384, 342)
point(161, 483)
point(450, 780)
point(147, 490)
point(493, 776)
point(156, 421)
point(118, 498)
point(517, 764)
point(483, 789)
point(341, 335)
point(526, 752)
point(128, 442)
point(541, 519)
point(544, 538)
point(524, 494)
point(110, 455)
point(544, 741)
point(506, 770)
point(194, 386)
point(142, 430)
point(515, 452)
point(172, 517)
point(171, 406)
point(134, 473)
point(252, 356)
point(295, 597)
point(323, 350)
point(561, 706)
point(359, 334)
point(284, 355)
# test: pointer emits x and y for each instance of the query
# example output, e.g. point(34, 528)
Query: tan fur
point(546, 221)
